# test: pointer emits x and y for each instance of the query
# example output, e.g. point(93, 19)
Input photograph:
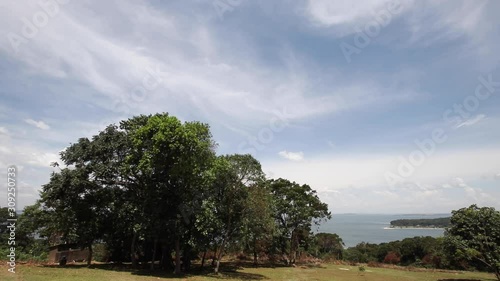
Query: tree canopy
point(474, 235)
point(153, 185)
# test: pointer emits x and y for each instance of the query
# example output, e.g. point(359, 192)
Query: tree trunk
point(89, 257)
point(153, 258)
point(214, 257)
point(255, 251)
point(186, 258)
point(216, 269)
point(177, 256)
point(203, 259)
point(219, 256)
point(132, 251)
point(166, 258)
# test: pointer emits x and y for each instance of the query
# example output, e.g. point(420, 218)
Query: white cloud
point(194, 65)
point(336, 172)
point(294, 156)
point(218, 76)
point(425, 22)
point(32, 159)
point(476, 194)
point(471, 121)
point(433, 21)
point(38, 124)
point(332, 13)
point(4, 131)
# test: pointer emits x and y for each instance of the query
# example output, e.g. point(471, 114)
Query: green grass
point(323, 272)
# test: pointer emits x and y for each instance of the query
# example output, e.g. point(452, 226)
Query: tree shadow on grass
point(459, 279)
point(250, 264)
point(311, 266)
point(227, 271)
point(233, 271)
point(126, 268)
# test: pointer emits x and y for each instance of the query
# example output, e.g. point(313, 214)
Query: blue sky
point(335, 94)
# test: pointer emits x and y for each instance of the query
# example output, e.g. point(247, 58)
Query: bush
point(100, 253)
point(392, 258)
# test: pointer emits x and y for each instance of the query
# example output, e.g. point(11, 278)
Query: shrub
point(392, 258)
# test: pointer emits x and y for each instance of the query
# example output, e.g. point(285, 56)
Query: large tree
point(297, 208)
point(103, 157)
point(258, 224)
point(76, 205)
point(328, 245)
point(171, 158)
point(226, 208)
point(475, 235)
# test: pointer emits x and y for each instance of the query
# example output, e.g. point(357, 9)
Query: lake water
point(357, 228)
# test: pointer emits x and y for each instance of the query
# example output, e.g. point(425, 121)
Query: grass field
point(322, 272)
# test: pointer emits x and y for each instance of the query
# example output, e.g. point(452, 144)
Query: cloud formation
point(294, 156)
point(39, 124)
point(92, 64)
point(471, 121)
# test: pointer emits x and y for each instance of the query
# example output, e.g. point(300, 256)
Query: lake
point(356, 228)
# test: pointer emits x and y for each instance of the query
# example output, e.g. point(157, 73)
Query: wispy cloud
point(471, 121)
point(335, 13)
point(329, 171)
point(91, 63)
point(294, 156)
point(4, 131)
point(39, 124)
point(331, 144)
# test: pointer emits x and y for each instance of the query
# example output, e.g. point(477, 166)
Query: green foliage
point(474, 236)
point(416, 251)
point(101, 253)
point(258, 222)
point(28, 246)
point(438, 222)
point(363, 253)
point(153, 185)
point(327, 246)
point(297, 207)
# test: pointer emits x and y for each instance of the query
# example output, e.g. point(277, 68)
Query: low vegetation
point(319, 272)
point(437, 222)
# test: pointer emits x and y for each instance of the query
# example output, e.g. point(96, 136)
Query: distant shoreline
point(410, 227)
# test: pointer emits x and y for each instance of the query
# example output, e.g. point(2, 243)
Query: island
point(421, 223)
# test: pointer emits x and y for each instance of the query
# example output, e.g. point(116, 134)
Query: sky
point(380, 106)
